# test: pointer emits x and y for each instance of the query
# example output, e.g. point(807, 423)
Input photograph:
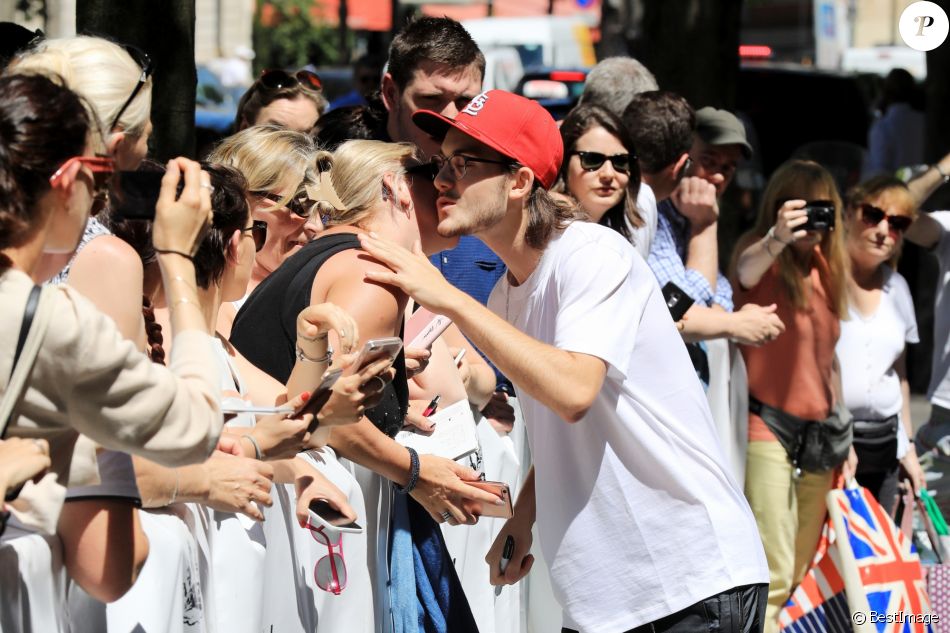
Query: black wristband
point(168, 251)
point(413, 473)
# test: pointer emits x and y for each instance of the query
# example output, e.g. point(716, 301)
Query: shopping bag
point(866, 575)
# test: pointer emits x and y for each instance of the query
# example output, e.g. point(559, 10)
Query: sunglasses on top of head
point(145, 63)
point(872, 216)
point(592, 161)
point(280, 79)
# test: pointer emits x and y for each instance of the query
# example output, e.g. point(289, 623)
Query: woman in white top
point(601, 173)
point(872, 347)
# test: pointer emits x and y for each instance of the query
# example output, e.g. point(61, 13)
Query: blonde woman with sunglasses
point(281, 170)
point(872, 349)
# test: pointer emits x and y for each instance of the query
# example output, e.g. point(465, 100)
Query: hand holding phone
point(376, 349)
point(498, 488)
point(322, 514)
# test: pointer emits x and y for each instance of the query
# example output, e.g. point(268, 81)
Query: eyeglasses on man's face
point(459, 162)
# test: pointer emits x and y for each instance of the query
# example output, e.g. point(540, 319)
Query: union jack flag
point(875, 571)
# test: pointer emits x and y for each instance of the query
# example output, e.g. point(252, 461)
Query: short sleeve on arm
point(904, 305)
point(596, 295)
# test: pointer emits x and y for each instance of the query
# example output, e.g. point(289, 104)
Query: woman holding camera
point(85, 379)
point(102, 521)
point(794, 258)
point(872, 347)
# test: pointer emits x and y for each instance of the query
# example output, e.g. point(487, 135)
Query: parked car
point(215, 105)
point(557, 89)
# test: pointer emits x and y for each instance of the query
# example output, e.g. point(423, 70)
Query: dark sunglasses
point(145, 63)
point(872, 216)
point(278, 79)
point(592, 161)
point(258, 231)
point(295, 205)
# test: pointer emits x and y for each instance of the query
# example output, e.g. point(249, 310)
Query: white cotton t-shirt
point(642, 236)
point(939, 392)
point(870, 345)
point(637, 513)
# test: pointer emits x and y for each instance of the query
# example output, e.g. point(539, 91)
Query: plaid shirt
point(668, 260)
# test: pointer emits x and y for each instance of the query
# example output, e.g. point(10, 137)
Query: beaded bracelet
point(413, 473)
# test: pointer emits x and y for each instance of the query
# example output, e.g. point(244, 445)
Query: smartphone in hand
point(319, 397)
point(322, 514)
point(376, 349)
point(497, 488)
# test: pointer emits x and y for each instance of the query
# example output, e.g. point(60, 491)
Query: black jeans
point(738, 610)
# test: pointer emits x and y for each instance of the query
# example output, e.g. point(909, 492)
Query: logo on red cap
point(512, 125)
point(475, 105)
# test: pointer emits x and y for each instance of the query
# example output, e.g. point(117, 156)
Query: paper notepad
point(454, 436)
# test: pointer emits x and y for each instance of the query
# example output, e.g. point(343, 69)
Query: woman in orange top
point(803, 272)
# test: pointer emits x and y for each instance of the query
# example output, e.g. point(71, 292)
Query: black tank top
point(265, 329)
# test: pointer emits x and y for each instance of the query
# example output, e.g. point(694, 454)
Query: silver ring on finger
point(208, 186)
point(446, 515)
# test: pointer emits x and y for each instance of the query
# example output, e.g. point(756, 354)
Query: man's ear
point(521, 184)
point(389, 92)
point(680, 166)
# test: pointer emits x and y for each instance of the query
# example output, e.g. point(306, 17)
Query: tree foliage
point(290, 34)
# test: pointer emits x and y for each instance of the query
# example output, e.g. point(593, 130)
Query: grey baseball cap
point(721, 127)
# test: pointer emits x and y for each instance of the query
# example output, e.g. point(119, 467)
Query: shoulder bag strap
point(27, 347)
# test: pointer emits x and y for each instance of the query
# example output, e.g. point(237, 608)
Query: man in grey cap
point(718, 144)
point(685, 252)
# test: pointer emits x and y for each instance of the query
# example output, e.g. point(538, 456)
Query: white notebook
point(454, 436)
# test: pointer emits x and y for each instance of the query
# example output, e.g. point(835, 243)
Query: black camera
point(134, 193)
point(821, 216)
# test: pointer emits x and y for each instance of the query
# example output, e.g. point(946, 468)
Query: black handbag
point(814, 446)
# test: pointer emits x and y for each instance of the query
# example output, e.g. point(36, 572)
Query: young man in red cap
point(640, 520)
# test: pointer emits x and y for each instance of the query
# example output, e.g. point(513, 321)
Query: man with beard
point(639, 518)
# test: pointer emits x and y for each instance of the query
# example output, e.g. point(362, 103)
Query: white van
point(553, 41)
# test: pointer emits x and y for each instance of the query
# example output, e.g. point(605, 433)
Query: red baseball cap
point(510, 124)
